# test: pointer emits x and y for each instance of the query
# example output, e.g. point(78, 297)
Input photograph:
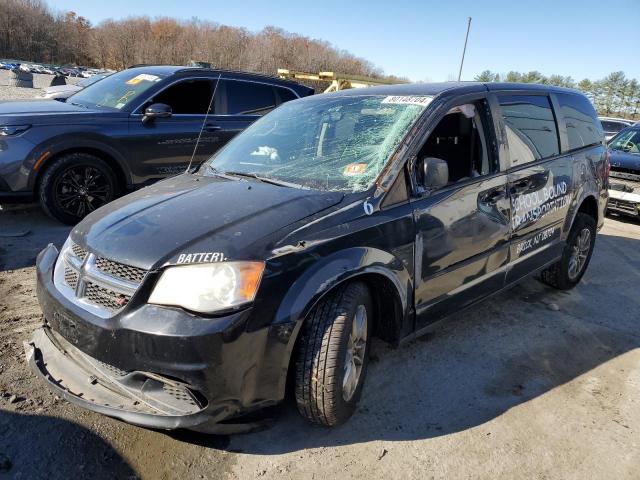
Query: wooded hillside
point(31, 31)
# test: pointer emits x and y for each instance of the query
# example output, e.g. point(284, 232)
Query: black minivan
point(128, 130)
point(333, 219)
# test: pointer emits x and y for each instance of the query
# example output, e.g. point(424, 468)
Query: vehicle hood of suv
point(627, 161)
point(43, 111)
point(193, 214)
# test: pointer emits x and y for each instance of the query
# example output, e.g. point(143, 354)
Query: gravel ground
point(39, 82)
point(533, 384)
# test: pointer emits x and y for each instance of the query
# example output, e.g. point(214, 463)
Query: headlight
point(10, 130)
point(208, 287)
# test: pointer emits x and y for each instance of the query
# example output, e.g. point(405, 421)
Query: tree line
point(614, 96)
point(31, 31)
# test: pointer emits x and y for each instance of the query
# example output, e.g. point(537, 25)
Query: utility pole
point(464, 50)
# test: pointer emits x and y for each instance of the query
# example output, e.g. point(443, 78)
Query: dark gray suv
point(130, 129)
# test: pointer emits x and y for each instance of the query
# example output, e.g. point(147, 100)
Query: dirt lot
point(532, 384)
point(40, 81)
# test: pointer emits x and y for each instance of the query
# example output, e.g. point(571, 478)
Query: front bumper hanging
point(140, 398)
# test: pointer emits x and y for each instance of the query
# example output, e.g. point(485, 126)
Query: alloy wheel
point(81, 189)
point(354, 357)
point(579, 253)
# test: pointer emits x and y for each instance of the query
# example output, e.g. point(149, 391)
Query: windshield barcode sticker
point(408, 100)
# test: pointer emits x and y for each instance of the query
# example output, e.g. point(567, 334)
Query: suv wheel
point(331, 359)
point(74, 185)
point(567, 272)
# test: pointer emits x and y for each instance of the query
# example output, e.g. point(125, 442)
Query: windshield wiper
point(79, 105)
point(272, 181)
point(218, 173)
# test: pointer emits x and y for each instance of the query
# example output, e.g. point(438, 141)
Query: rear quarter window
point(581, 120)
point(532, 133)
point(248, 98)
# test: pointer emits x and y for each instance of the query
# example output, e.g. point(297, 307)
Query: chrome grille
point(104, 297)
point(102, 286)
point(126, 272)
point(623, 205)
point(70, 277)
point(78, 251)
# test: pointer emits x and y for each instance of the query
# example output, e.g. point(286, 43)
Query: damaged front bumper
point(158, 367)
point(624, 198)
point(136, 397)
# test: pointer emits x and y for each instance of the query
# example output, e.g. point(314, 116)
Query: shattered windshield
point(337, 143)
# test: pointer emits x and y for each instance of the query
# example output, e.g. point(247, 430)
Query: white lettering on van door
point(535, 205)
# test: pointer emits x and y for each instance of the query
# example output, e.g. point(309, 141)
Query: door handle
point(494, 197)
point(212, 128)
point(520, 185)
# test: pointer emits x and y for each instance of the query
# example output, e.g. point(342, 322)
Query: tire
point(74, 185)
point(561, 274)
point(323, 355)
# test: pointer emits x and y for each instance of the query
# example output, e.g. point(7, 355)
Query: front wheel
point(332, 355)
point(74, 185)
point(567, 272)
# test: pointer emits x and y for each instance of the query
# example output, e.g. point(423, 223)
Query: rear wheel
point(567, 272)
point(75, 185)
point(332, 355)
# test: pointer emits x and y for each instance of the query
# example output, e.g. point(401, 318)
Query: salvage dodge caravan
point(195, 302)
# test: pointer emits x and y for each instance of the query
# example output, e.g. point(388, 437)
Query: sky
point(423, 40)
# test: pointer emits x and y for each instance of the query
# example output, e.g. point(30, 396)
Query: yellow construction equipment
point(337, 81)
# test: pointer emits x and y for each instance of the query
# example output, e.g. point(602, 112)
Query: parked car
point(62, 92)
point(332, 219)
point(624, 192)
point(612, 126)
point(125, 131)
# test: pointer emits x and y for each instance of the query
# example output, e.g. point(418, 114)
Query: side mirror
point(156, 110)
point(435, 173)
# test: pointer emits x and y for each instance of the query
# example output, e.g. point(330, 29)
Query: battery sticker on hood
point(202, 257)
point(408, 100)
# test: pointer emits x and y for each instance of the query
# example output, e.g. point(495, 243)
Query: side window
point(531, 128)
point(247, 98)
point(612, 126)
point(580, 119)
point(187, 97)
point(465, 139)
point(284, 95)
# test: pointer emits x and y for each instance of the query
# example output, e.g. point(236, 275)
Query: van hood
point(192, 214)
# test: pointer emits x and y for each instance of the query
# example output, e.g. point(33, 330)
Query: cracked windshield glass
point(337, 144)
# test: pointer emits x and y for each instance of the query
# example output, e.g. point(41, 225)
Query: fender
point(77, 141)
point(328, 272)
point(338, 267)
point(587, 189)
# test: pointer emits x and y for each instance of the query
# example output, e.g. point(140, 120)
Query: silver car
point(62, 92)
